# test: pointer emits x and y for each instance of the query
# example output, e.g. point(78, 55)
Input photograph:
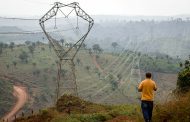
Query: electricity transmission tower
point(66, 55)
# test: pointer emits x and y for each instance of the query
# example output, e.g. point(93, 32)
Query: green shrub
point(44, 112)
point(183, 81)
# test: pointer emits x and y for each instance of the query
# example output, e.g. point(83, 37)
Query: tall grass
point(174, 111)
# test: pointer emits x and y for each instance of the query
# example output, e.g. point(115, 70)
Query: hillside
point(6, 97)
point(166, 36)
point(6, 35)
point(113, 82)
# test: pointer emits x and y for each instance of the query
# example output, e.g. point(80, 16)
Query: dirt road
point(22, 96)
point(97, 65)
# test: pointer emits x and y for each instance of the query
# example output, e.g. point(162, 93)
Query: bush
point(44, 112)
point(183, 81)
point(69, 103)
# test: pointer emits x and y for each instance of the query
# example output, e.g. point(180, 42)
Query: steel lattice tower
point(66, 56)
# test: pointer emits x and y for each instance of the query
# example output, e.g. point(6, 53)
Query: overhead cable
point(15, 18)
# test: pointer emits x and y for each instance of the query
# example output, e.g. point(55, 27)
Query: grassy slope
point(177, 110)
point(6, 97)
point(90, 86)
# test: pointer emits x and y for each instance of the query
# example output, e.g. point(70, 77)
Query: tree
point(7, 66)
point(54, 78)
point(50, 46)
point(5, 45)
point(139, 54)
point(119, 76)
point(83, 46)
point(67, 44)
point(42, 48)
point(12, 45)
point(90, 51)
point(31, 49)
point(63, 72)
point(187, 64)
point(1, 45)
point(37, 72)
point(87, 68)
point(167, 57)
point(97, 56)
point(70, 44)
point(38, 43)
point(100, 50)
point(45, 77)
point(24, 57)
point(34, 64)
point(14, 63)
point(181, 64)
point(99, 74)
point(78, 61)
point(27, 42)
point(34, 44)
point(62, 41)
point(183, 81)
point(113, 82)
point(57, 62)
point(75, 46)
point(114, 45)
point(1, 50)
point(97, 49)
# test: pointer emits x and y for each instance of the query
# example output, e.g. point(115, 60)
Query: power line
point(7, 33)
point(33, 32)
point(20, 18)
point(37, 2)
point(17, 18)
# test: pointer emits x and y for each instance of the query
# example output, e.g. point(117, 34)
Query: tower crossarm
point(61, 53)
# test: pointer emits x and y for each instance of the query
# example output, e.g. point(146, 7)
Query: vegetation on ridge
point(74, 109)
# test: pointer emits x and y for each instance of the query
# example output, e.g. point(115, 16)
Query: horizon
point(108, 15)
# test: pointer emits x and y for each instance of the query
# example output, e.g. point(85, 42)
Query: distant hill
point(10, 29)
point(159, 34)
point(7, 37)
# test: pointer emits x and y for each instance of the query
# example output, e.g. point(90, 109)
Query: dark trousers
point(147, 107)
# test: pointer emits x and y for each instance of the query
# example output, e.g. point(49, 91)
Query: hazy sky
point(100, 7)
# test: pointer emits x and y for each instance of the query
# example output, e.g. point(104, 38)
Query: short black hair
point(148, 75)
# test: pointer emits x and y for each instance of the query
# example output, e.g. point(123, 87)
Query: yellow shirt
point(147, 87)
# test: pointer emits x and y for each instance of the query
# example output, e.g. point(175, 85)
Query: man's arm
point(155, 87)
point(140, 87)
point(139, 90)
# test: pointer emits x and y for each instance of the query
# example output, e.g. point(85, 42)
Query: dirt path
point(97, 65)
point(22, 96)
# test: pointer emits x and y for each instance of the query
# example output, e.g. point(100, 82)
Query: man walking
point(147, 88)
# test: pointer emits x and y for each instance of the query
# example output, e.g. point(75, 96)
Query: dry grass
point(174, 111)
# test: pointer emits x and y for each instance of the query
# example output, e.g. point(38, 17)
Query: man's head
point(148, 75)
